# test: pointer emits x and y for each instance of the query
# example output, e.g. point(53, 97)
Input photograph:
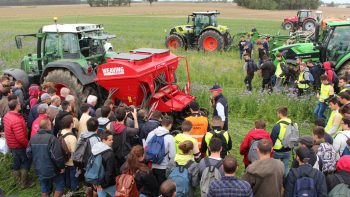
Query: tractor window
point(302, 15)
point(51, 44)
point(339, 43)
point(213, 21)
point(70, 46)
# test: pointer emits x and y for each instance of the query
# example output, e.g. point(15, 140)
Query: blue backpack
point(95, 171)
point(156, 149)
point(305, 186)
point(181, 176)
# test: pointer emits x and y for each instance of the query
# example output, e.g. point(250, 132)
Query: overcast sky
point(337, 1)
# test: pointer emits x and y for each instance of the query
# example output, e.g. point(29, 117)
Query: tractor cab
point(82, 46)
point(203, 19)
point(336, 43)
point(303, 14)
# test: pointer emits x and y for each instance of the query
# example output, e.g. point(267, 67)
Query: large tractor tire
point(345, 68)
point(174, 41)
point(288, 26)
point(211, 41)
point(64, 78)
point(309, 25)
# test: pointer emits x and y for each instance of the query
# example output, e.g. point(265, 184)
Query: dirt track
point(227, 10)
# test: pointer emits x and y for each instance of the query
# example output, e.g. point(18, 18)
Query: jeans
point(320, 109)
point(248, 82)
point(46, 184)
point(71, 180)
point(266, 84)
point(278, 84)
point(284, 157)
point(240, 54)
point(108, 190)
point(20, 159)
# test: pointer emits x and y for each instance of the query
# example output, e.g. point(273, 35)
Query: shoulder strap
point(295, 172)
point(346, 136)
point(65, 135)
point(340, 179)
point(106, 124)
point(218, 164)
point(188, 164)
point(206, 161)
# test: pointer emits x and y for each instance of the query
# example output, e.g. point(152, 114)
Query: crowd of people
point(298, 77)
point(123, 151)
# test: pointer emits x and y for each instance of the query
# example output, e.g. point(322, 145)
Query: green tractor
point(334, 46)
point(205, 34)
point(66, 55)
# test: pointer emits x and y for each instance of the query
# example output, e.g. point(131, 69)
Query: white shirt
point(339, 142)
point(221, 111)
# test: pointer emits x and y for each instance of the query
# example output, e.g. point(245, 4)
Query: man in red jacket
point(257, 133)
point(17, 140)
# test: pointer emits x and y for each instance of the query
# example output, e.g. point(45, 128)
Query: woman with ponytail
point(145, 180)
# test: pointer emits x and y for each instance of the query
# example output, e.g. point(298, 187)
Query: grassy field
point(206, 69)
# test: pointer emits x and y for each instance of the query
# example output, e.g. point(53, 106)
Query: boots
point(17, 177)
point(25, 183)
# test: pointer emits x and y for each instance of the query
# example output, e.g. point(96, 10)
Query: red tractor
point(145, 77)
point(305, 19)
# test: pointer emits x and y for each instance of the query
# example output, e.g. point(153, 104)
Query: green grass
point(206, 69)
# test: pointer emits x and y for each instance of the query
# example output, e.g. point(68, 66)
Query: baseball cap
point(307, 140)
point(216, 88)
point(45, 96)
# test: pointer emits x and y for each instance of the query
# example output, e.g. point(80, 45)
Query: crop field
point(142, 25)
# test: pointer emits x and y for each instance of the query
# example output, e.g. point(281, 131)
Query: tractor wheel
point(211, 41)
point(345, 68)
point(64, 78)
point(288, 26)
point(174, 41)
point(309, 25)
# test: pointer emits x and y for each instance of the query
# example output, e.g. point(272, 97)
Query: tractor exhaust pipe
point(317, 34)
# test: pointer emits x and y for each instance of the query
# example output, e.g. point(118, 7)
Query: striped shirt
point(229, 186)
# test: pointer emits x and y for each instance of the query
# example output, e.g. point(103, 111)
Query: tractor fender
point(209, 28)
point(342, 61)
point(18, 74)
point(180, 35)
point(74, 68)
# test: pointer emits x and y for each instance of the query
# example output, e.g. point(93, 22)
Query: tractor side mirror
point(18, 42)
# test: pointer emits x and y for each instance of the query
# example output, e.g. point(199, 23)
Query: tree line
point(279, 4)
point(37, 2)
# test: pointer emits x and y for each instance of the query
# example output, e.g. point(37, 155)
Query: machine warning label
point(113, 71)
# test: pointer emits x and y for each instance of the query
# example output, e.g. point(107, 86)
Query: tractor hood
point(222, 28)
point(291, 19)
point(306, 51)
point(182, 29)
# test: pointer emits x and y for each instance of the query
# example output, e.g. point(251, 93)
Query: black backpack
point(223, 141)
point(121, 147)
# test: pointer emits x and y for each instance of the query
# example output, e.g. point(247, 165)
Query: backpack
point(126, 186)
point(341, 189)
point(291, 136)
point(65, 150)
point(223, 141)
point(346, 151)
point(253, 153)
point(156, 149)
point(181, 176)
point(284, 68)
point(102, 128)
point(328, 157)
point(251, 67)
point(121, 147)
point(304, 185)
point(210, 174)
point(311, 77)
point(95, 171)
point(82, 152)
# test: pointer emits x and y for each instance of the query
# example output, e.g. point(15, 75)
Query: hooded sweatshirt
point(343, 170)
point(108, 162)
point(265, 177)
point(169, 143)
